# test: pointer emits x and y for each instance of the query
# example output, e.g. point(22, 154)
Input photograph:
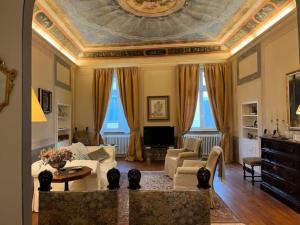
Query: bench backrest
point(82, 208)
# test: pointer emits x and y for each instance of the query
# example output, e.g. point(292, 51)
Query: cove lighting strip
point(52, 42)
point(264, 27)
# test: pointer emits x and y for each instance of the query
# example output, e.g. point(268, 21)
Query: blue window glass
point(204, 119)
point(115, 120)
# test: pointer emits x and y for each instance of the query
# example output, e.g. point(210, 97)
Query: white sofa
point(96, 181)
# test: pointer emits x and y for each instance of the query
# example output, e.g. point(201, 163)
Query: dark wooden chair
point(252, 162)
point(82, 136)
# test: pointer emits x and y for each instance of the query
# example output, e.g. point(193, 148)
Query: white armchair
point(175, 157)
point(186, 176)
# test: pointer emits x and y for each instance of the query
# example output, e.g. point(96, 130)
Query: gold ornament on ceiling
point(152, 8)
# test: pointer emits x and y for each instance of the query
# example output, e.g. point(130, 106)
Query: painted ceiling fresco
point(106, 22)
point(80, 24)
point(152, 8)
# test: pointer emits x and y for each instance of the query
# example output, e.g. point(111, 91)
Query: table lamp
point(298, 111)
point(37, 114)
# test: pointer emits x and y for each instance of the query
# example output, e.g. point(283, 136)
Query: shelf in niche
point(252, 128)
point(63, 129)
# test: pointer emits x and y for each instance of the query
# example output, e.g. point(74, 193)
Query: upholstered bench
point(169, 207)
point(84, 208)
point(251, 161)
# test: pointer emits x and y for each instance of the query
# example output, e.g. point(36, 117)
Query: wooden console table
point(155, 153)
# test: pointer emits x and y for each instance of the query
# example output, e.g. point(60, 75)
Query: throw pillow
point(79, 151)
point(99, 155)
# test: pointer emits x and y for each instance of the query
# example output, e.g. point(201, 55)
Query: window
point(204, 119)
point(115, 120)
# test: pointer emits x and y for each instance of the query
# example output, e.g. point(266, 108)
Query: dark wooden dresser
point(281, 170)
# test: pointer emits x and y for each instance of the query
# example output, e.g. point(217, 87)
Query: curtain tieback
point(225, 130)
point(136, 130)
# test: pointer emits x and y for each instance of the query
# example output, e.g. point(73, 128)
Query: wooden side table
point(154, 153)
point(70, 174)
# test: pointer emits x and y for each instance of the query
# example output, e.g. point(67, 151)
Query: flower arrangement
point(57, 158)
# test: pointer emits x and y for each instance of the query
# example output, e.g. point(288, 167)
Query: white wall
point(11, 116)
point(158, 81)
point(43, 134)
point(43, 76)
point(154, 81)
point(279, 56)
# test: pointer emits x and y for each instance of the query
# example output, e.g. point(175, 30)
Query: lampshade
point(298, 110)
point(37, 114)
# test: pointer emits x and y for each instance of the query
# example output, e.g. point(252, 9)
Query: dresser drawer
point(281, 146)
point(289, 175)
point(281, 185)
point(281, 159)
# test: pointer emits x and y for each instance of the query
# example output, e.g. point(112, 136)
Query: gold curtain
point(187, 82)
point(218, 79)
point(128, 79)
point(101, 91)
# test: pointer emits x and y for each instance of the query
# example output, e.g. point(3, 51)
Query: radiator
point(121, 140)
point(208, 141)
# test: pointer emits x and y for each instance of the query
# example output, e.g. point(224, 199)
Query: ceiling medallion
point(152, 8)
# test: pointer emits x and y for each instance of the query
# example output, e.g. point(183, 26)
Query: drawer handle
point(275, 168)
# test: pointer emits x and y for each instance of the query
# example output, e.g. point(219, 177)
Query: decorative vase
point(134, 178)
point(58, 165)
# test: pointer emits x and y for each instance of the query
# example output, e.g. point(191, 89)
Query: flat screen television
point(159, 136)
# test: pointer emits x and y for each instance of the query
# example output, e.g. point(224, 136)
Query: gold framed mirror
point(293, 98)
point(7, 78)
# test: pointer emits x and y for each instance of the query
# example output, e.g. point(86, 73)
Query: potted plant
point(56, 158)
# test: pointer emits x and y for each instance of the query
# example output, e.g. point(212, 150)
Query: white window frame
point(114, 130)
point(202, 88)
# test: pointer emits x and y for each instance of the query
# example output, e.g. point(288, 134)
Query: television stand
point(155, 153)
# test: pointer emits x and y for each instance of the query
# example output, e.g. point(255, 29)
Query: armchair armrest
point(187, 170)
point(194, 163)
point(174, 152)
point(186, 155)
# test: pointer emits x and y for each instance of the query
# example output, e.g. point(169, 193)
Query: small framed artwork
point(158, 108)
point(45, 99)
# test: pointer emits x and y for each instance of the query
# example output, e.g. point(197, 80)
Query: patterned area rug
point(156, 180)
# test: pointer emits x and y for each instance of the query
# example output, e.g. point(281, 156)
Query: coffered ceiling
point(89, 29)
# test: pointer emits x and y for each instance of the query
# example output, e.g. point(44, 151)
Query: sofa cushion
point(79, 151)
point(99, 155)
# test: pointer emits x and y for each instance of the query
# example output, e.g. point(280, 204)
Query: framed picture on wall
point(158, 108)
point(45, 99)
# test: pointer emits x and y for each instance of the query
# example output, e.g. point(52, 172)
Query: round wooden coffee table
point(71, 174)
